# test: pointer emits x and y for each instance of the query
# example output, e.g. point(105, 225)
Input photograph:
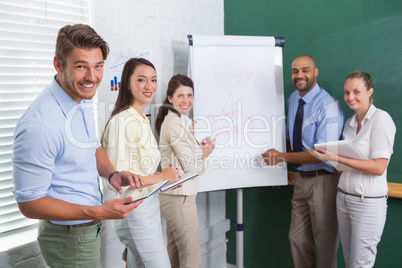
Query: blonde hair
point(368, 81)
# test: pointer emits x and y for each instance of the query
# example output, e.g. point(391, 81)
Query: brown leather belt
point(314, 173)
point(86, 224)
point(360, 196)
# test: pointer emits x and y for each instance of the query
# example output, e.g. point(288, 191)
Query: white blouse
point(375, 140)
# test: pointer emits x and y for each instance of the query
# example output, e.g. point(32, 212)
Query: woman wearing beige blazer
point(179, 146)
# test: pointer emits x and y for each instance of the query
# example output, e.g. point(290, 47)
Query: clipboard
point(344, 148)
point(184, 178)
point(144, 192)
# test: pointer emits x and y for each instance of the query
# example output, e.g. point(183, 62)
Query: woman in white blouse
point(362, 190)
point(130, 145)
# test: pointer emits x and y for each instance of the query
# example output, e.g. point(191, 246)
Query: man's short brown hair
point(78, 36)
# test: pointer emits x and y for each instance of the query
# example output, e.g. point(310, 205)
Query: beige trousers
point(314, 222)
point(183, 242)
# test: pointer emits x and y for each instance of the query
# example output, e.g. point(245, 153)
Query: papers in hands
point(344, 148)
point(184, 177)
point(144, 192)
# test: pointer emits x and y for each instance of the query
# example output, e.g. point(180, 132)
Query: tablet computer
point(184, 178)
point(144, 192)
point(343, 148)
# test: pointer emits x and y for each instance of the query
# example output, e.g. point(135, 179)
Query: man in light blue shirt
point(58, 161)
point(313, 217)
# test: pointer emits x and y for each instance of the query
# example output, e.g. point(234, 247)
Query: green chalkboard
point(343, 36)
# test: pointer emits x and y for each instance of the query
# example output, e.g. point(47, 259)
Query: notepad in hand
point(184, 178)
point(343, 148)
point(144, 192)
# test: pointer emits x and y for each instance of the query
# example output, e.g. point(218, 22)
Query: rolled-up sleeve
point(33, 161)
point(382, 136)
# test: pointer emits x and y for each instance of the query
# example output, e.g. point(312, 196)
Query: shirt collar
point(65, 102)
point(367, 117)
point(140, 118)
point(312, 93)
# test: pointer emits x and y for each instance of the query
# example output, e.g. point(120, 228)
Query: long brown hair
point(125, 97)
point(175, 82)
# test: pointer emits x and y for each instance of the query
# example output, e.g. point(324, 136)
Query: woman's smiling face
point(356, 94)
point(143, 85)
point(182, 99)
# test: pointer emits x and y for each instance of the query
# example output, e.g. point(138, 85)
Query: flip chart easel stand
point(214, 70)
point(239, 230)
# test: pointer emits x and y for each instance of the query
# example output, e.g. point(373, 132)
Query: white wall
point(160, 26)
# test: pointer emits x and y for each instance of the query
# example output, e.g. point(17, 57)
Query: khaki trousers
point(314, 222)
point(68, 246)
point(183, 242)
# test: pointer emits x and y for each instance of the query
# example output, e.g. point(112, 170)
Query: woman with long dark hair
point(178, 145)
point(130, 145)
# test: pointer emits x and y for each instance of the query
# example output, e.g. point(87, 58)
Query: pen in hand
point(171, 165)
point(204, 141)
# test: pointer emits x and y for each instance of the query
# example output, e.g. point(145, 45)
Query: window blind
point(28, 31)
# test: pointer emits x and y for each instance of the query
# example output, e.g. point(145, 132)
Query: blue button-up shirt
point(322, 122)
point(54, 151)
